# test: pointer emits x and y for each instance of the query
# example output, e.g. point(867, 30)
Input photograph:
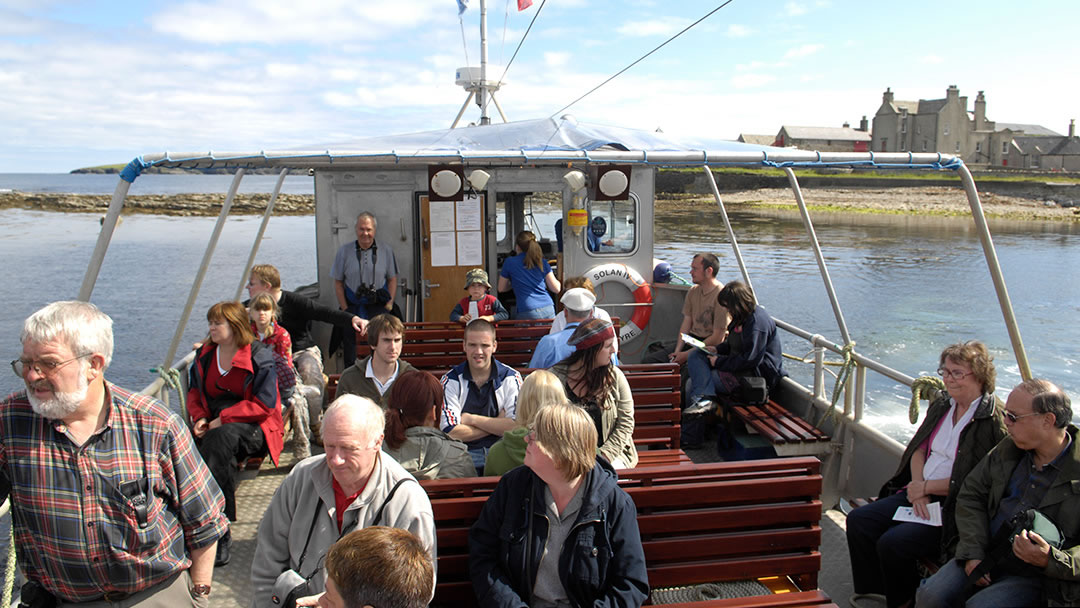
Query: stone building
point(825, 139)
point(946, 126)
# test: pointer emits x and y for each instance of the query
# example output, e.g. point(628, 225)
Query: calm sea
point(908, 286)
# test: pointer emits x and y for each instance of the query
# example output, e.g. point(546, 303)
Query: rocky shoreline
point(931, 201)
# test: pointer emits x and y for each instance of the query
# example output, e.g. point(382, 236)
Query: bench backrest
point(699, 523)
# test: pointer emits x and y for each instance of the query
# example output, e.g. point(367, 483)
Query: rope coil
point(171, 377)
point(924, 387)
point(841, 382)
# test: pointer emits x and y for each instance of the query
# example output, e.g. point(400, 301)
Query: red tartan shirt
point(76, 528)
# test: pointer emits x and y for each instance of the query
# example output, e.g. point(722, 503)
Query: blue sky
point(95, 82)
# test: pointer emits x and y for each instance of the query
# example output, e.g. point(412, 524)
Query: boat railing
point(159, 388)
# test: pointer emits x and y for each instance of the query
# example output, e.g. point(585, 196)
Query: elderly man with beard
point(112, 504)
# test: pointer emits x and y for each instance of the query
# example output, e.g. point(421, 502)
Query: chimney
point(952, 92)
point(980, 112)
point(1072, 127)
point(888, 96)
point(863, 125)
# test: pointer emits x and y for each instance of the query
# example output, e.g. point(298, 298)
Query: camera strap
point(360, 262)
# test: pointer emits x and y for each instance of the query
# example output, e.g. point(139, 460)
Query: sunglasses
point(1011, 417)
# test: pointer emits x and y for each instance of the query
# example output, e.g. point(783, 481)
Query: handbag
point(1001, 545)
point(753, 390)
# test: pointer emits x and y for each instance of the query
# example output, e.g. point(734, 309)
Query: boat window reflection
point(612, 227)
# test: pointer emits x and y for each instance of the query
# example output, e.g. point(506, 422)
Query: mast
point(481, 95)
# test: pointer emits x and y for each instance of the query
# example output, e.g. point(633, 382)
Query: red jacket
point(260, 403)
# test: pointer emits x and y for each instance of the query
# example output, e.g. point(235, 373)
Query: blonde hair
point(567, 435)
point(540, 388)
point(265, 301)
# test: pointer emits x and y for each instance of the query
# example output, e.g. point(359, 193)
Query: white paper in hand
point(474, 312)
point(908, 514)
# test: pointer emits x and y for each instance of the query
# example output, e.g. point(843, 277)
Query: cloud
point(664, 26)
point(931, 59)
point(738, 31)
point(556, 59)
point(803, 51)
point(795, 9)
point(749, 81)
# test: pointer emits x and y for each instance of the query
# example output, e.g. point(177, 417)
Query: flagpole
point(481, 98)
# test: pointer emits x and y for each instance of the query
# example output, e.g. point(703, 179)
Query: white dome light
point(446, 183)
point(613, 183)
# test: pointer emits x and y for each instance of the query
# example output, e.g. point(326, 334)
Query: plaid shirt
point(75, 508)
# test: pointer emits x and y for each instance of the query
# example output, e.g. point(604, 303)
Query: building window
point(957, 147)
point(903, 125)
point(1034, 162)
point(918, 129)
point(1004, 147)
point(946, 128)
point(903, 146)
point(978, 146)
point(924, 145)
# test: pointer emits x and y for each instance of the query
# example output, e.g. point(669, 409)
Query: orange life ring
point(623, 274)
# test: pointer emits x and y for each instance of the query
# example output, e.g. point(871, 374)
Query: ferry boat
point(454, 199)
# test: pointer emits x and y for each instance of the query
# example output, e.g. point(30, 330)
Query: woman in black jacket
point(558, 530)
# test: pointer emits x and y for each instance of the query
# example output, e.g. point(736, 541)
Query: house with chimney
point(945, 125)
point(825, 139)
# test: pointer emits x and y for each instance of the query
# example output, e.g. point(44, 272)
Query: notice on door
point(443, 251)
point(442, 216)
point(470, 248)
point(468, 213)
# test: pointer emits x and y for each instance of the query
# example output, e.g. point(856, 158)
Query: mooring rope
point(932, 385)
point(171, 377)
point(841, 382)
point(9, 567)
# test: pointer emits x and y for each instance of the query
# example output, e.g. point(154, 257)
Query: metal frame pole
point(995, 272)
point(108, 226)
point(462, 110)
point(731, 233)
point(201, 274)
point(794, 181)
point(262, 230)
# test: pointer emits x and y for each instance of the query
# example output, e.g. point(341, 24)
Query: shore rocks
point(162, 204)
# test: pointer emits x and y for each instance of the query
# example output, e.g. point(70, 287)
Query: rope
point(172, 381)
point(931, 386)
point(708, 592)
point(9, 567)
point(841, 382)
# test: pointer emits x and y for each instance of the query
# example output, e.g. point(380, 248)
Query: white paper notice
point(908, 514)
point(442, 216)
point(474, 311)
point(442, 249)
point(468, 213)
point(470, 248)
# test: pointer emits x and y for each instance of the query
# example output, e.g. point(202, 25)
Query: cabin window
point(612, 228)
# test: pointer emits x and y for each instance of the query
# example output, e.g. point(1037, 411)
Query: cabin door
point(451, 242)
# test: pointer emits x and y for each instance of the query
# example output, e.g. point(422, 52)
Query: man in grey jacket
point(325, 497)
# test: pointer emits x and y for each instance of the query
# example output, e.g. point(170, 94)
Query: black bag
point(33, 595)
point(1001, 545)
point(753, 390)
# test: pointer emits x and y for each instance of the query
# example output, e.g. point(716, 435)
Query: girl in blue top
point(529, 275)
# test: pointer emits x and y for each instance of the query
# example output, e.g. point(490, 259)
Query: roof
point(931, 106)
point(1033, 130)
point(542, 142)
point(753, 138)
point(834, 133)
point(1068, 146)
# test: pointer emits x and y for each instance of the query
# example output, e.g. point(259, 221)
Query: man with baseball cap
point(552, 348)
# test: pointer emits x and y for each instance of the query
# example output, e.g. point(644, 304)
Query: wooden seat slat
point(775, 425)
point(796, 599)
point(794, 422)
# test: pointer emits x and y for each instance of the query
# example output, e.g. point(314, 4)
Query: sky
point(94, 82)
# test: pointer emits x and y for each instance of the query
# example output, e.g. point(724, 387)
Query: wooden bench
point(655, 387)
point(789, 434)
point(699, 523)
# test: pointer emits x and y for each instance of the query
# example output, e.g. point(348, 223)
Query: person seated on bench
point(233, 403)
point(751, 348)
point(373, 375)
point(378, 567)
point(560, 321)
point(552, 348)
point(558, 531)
point(296, 313)
point(961, 426)
point(539, 389)
point(1035, 468)
point(592, 382)
point(703, 317)
point(480, 394)
point(263, 312)
point(413, 407)
point(488, 307)
point(352, 486)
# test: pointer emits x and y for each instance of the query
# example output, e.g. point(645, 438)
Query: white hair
point(80, 325)
point(364, 412)
point(370, 216)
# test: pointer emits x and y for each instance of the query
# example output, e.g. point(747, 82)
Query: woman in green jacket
point(411, 437)
point(540, 388)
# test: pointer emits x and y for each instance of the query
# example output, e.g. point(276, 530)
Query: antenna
point(474, 80)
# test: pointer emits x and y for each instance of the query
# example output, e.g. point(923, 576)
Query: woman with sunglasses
point(413, 406)
point(558, 531)
point(961, 426)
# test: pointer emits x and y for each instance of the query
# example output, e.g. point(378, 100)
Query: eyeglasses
point(1011, 417)
point(954, 374)
point(530, 436)
point(42, 367)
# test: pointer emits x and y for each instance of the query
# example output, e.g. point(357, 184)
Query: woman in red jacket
point(233, 402)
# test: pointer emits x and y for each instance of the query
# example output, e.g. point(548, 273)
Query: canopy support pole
point(262, 230)
point(730, 232)
point(995, 272)
point(794, 181)
point(108, 226)
point(201, 274)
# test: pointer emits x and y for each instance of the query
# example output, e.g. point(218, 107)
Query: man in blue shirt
point(553, 348)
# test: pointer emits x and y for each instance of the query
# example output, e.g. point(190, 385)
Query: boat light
point(445, 182)
point(478, 179)
point(575, 179)
point(613, 183)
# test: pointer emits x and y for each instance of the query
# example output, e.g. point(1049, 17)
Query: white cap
point(578, 299)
